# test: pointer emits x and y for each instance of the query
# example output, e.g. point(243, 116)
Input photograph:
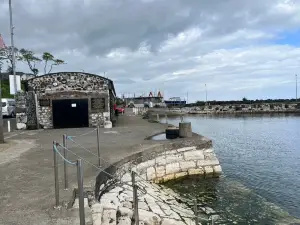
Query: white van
point(8, 107)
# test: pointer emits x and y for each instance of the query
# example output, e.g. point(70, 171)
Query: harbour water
point(260, 157)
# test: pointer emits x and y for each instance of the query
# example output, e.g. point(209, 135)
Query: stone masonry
point(157, 205)
point(66, 85)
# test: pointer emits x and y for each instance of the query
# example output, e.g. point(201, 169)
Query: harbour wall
point(156, 163)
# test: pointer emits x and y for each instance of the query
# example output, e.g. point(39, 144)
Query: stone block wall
point(159, 163)
point(64, 85)
point(26, 110)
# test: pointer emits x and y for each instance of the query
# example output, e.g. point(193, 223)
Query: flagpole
point(12, 47)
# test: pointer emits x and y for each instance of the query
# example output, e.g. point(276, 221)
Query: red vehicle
point(120, 109)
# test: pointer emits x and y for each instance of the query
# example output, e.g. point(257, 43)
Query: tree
point(28, 57)
point(48, 57)
point(245, 99)
point(6, 56)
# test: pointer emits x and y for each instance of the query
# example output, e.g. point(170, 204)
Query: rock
point(186, 165)
point(149, 217)
point(198, 171)
point(123, 221)
point(151, 173)
point(107, 124)
point(194, 155)
point(217, 170)
point(186, 149)
point(21, 126)
point(172, 168)
point(160, 171)
point(109, 217)
point(181, 174)
point(166, 221)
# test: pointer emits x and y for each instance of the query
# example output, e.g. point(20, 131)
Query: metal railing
point(137, 184)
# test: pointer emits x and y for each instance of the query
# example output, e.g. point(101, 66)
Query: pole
point(205, 93)
point(56, 176)
point(296, 87)
point(1, 117)
point(65, 163)
point(12, 47)
point(98, 146)
point(8, 126)
point(135, 198)
point(196, 212)
point(80, 190)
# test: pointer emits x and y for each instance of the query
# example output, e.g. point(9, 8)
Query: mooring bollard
point(157, 117)
point(135, 198)
point(8, 126)
point(166, 118)
point(65, 163)
point(56, 184)
point(196, 212)
point(98, 146)
point(80, 191)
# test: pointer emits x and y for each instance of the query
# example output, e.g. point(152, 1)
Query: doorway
point(70, 113)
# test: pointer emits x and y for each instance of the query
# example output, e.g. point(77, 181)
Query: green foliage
point(28, 57)
point(245, 99)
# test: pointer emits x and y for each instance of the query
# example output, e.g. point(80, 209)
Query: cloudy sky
point(239, 48)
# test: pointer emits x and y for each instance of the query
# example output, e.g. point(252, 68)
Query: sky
point(238, 48)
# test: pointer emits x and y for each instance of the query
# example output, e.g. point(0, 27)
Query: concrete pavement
point(26, 168)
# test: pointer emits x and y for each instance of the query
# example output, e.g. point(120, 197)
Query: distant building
point(140, 102)
point(175, 101)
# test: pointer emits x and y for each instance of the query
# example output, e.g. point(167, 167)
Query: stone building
point(65, 100)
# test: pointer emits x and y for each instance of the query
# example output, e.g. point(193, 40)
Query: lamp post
point(1, 118)
point(296, 87)
point(12, 47)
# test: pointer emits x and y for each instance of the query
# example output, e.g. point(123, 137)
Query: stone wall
point(26, 110)
point(159, 163)
point(66, 85)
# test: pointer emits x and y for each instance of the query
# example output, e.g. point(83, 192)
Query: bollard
point(185, 129)
point(56, 184)
point(135, 198)
point(157, 117)
point(196, 212)
point(98, 146)
point(166, 118)
point(65, 163)
point(8, 126)
point(80, 191)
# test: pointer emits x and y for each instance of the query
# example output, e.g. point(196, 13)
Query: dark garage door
point(70, 113)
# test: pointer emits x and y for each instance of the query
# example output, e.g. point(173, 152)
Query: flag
point(2, 44)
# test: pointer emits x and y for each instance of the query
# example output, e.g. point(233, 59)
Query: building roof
point(82, 73)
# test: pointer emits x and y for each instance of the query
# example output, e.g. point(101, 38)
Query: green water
point(233, 202)
point(260, 158)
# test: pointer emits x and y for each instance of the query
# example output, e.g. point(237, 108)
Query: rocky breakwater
point(158, 162)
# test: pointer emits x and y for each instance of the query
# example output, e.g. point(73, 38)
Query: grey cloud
point(104, 25)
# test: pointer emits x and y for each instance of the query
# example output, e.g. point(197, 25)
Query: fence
point(136, 184)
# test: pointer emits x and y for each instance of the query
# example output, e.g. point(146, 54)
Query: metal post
point(1, 117)
point(296, 87)
point(80, 190)
point(12, 47)
point(65, 163)
point(135, 198)
point(98, 146)
point(196, 212)
point(8, 126)
point(56, 176)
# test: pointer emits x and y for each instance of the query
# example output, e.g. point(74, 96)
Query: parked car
point(8, 107)
point(120, 109)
